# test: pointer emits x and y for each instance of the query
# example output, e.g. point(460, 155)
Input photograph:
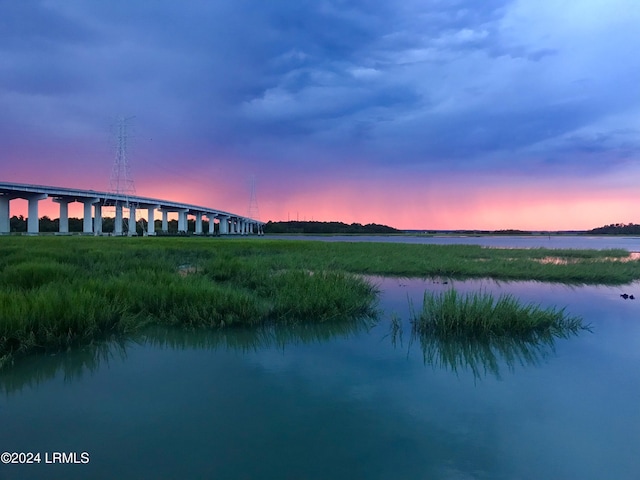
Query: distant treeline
point(478, 232)
point(618, 229)
point(326, 227)
point(48, 225)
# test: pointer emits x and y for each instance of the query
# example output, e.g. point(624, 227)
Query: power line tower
point(253, 211)
point(121, 182)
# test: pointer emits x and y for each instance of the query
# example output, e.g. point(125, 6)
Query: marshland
point(389, 358)
point(59, 292)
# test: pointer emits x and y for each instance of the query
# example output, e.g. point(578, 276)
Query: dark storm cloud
point(411, 81)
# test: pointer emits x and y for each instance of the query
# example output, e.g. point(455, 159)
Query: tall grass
point(71, 291)
point(480, 315)
point(479, 333)
point(61, 291)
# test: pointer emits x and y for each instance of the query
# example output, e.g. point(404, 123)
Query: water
point(343, 402)
point(631, 244)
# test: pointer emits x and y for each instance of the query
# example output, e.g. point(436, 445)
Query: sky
point(441, 114)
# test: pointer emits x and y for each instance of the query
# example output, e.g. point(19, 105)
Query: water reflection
point(72, 365)
point(253, 339)
point(486, 355)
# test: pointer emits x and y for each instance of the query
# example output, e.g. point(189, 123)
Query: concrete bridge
point(94, 202)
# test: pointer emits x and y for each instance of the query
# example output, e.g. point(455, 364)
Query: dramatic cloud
point(321, 93)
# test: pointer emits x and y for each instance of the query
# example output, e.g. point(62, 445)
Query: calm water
point(502, 241)
point(341, 403)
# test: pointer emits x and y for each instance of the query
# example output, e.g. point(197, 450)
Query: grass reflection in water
point(478, 333)
point(75, 363)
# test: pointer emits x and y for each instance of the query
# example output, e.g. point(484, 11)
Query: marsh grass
point(57, 292)
point(480, 315)
point(480, 333)
point(73, 291)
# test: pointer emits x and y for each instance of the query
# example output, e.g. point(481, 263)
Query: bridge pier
point(151, 225)
point(182, 221)
point(5, 224)
point(87, 224)
point(223, 225)
point(132, 220)
point(165, 221)
point(117, 227)
point(198, 223)
point(33, 226)
point(97, 222)
point(63, 226)
point(212, 225)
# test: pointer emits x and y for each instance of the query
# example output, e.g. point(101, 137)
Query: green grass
point(480, 315)
point(61, 291)
point(479, 333)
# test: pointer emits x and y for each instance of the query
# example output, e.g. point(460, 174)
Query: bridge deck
point(229, 222)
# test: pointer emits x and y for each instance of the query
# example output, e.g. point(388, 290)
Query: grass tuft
point(479, 315)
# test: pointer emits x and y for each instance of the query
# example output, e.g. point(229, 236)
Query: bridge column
point(97, 224)
point(33, 226)
point(5, 223)
point(151, 226)
point(64, 214)
point(198, 223)
point(117, 228)
point(211, 224)
point(224, 224)
point(132, 220)
point(251, 228)
point(165, 221)
point(182, 221)
point(87, 224)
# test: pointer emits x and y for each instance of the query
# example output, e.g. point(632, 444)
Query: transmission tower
point(121, 182)
point(253, 211)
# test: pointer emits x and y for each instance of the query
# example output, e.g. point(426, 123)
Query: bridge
point(94, 202)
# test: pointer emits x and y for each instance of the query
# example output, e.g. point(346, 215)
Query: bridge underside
point(95, 202)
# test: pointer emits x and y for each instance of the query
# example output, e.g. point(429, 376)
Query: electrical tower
point(253, 211)
point(121, 182)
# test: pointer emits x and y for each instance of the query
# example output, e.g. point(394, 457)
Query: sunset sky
point(443, 114)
